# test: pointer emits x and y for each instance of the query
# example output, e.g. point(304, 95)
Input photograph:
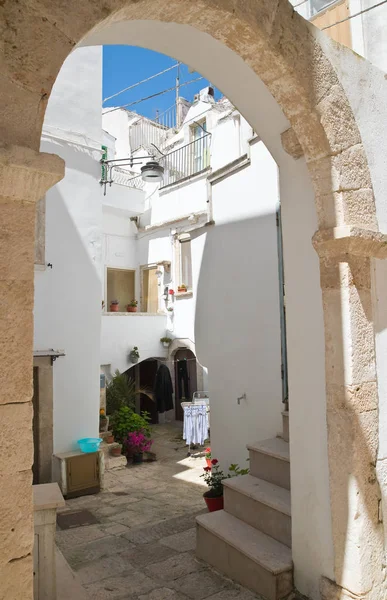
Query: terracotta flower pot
point(114, 307)
point(116, 451)
point(131, 308)
point(213, 504)
point(109, 439)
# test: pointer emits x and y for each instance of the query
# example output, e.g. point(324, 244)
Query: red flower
point(214, 461)
point(207, 469)
point(208, 450)
point(171, 292)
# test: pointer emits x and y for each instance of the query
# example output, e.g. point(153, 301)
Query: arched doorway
point(286, 55)
point(185, 379)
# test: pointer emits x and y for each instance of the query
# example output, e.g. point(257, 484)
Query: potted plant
point(103, 420)
point(213, 477)
point(182, 288)
point(208, 457)
point(109, 439)
point(114, 305)
point(125, 421)
point(136, 444)
point(134, 355)
point(116, 450)
point(166, 341)
point(132, 306)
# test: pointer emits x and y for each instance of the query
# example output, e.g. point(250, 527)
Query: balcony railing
point(186, 161)
point(128, 179)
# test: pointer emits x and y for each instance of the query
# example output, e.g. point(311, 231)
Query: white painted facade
point(234, 267)
point(67, 309)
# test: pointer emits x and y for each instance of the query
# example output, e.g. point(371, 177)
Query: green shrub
point(120, 391)
point(125, 421)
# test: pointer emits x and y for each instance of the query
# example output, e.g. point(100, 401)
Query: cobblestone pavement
point(143, 547)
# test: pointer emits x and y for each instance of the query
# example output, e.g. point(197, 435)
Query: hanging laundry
point(163, 389)
point(195, 429)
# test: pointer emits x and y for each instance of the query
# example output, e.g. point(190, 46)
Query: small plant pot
point(131, 308)
point(133, 358)
point(138, 458)
point(213, 504)
point(116, 451)
point(114, 307)
point(109, 439)
point(165, 344)
point(103, 425)
point(181, 289)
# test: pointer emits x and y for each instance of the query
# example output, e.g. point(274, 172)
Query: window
point(317, 6)
point(184, 261)
point(120, 286)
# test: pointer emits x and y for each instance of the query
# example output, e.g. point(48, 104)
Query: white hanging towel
point(195, 429)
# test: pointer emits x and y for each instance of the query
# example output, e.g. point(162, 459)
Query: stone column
point(352, 413)
point(25, 176)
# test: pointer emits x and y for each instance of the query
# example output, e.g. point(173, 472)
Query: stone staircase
point(250, 540)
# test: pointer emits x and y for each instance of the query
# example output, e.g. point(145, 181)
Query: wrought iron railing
point(128, 179)
point(186, 161)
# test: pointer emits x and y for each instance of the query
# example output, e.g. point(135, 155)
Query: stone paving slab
point(120, 587)
point(183, 542)
point(200, 585)
point(104, 568)
point(79, 535)
point(174, 567)
point(163, 594)
point(147, 554)
point(107, 546)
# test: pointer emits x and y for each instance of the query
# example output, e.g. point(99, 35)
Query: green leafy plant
point(133, 303)
point(214, 476)
point(135, 352)
point(125, 421)
point(120, 391)
point(165, 340)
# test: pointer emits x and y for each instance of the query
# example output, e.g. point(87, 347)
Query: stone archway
point(285, 53)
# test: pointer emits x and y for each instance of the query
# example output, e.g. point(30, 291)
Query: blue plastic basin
point(89, 444)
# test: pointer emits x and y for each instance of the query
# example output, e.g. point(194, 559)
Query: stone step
point(269, 460)
point(244, 554)
point(260, 504)
point(115, 462)
point(285, 425)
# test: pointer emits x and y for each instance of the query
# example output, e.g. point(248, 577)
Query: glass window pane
point(317, 6)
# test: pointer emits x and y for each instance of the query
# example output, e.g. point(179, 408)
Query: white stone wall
point(67, 308)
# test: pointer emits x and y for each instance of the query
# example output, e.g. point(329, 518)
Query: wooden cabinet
point(78, 473)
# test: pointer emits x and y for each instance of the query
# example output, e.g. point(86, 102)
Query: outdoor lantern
point(152, 171)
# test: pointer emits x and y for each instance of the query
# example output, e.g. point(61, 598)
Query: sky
point(125, 65)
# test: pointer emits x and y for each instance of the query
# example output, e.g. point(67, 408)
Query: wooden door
point(185, 379)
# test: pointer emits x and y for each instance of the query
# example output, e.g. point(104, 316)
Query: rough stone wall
point(283, 51)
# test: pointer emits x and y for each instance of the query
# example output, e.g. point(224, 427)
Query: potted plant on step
point(109, 439)
point(116, 450)
point(114, 306)
point(134, 355)
point(182, 288)
point(103, 420)
point(132, 306)
point(166, 341)
point(136, 444)
point(213, 477)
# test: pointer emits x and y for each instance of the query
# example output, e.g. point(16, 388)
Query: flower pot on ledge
point(114, 307)
point(131, 308)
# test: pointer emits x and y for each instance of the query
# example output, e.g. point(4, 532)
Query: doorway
point(185, 379)
point(42, 422)
point(149, 290)
point(146, 379)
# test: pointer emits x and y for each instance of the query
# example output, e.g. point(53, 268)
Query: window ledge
point(132, 314)
point(187, 294)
